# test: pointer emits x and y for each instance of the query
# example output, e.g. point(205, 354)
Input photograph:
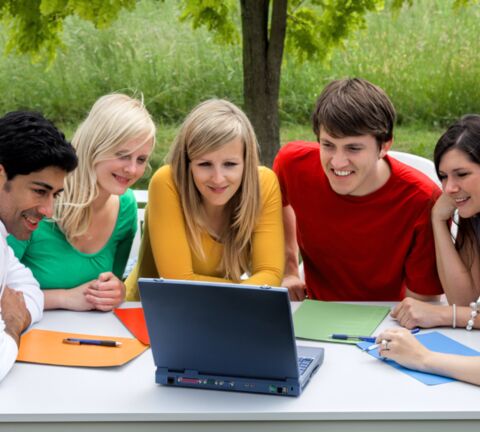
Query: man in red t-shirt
point(360, 218)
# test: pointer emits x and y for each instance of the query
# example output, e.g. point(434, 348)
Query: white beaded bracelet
point(473, 313)
point(454, 321)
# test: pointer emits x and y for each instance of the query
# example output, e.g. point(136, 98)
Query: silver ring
point(385, 344)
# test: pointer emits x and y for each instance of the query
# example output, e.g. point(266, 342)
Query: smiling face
point(353, 165)
point(218, 174)
point(127, 165)
point(27, 199)
point(460, 179)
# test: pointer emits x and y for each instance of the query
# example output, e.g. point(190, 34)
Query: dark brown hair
point(464, 136)
point(353, 107)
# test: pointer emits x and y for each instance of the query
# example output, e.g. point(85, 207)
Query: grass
point(426, 58)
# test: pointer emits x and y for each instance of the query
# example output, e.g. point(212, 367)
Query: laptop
point(225, 337)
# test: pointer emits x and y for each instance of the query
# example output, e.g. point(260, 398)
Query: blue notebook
point(434, 341)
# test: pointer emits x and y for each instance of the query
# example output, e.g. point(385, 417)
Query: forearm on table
point(271, 277)
point(444, 316)
point(56, 299)
point(463, 368)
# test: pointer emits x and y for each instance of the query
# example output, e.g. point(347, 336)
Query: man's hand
point(297, 290)
point(106, 293)
point(411, 313)
point(14, 313)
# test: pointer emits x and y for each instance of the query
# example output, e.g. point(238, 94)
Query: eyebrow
point(455, 170)
point(43, 184)
point(326, 141)
point(46, 186)
point(232, 158)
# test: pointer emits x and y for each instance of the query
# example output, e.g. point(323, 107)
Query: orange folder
point(134, 320)
point(47, 347)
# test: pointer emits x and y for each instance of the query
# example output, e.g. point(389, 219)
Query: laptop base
point(192, 379)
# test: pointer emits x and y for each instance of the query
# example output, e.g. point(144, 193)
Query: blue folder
point(434, 341)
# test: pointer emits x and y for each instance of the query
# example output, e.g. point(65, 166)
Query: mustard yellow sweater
point(165, 250)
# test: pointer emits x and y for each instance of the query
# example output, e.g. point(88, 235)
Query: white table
point(351, 391)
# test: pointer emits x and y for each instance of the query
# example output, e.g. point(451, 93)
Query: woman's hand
point(70, 299)
point(443, 209)
point(411, 313)
point(400, 345)
point(105, 293)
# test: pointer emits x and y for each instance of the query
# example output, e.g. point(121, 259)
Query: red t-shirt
point(360, 248)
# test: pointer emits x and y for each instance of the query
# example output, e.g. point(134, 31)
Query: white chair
point(424, 165)
point(142, 198)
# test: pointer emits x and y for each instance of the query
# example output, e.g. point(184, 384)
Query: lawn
point(425, 57)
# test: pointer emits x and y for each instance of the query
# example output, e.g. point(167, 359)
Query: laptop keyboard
point(303, 363)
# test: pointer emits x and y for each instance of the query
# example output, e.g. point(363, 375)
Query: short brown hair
point(352, 107)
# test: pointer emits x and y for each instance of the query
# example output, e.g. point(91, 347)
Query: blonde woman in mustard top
point(213, 214)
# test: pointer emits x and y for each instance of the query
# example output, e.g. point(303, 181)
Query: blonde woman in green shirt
point(79, 257)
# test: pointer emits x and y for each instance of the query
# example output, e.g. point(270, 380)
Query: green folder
point(318, 320)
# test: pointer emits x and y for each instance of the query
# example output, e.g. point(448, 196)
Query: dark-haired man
point(34, 160)
point(360, 218)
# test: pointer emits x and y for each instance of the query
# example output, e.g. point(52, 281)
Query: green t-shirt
point(55, 263)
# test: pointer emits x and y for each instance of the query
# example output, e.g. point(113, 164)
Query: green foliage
point(35, 26)
point(316, 27)
point(217, 16)
point(463, 3)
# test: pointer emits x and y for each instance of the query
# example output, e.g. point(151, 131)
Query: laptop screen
point(220, 329)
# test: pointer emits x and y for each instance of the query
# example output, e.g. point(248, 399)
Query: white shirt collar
point(3, 230)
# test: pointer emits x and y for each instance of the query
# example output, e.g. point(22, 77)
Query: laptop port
point(279, 390)
point(170, 380)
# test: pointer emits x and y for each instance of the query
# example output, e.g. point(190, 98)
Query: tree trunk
point(262, 61)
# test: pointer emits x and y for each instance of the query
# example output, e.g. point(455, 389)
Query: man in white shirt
point(34, 160)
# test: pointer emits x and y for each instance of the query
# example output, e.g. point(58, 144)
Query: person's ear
point(385, 148)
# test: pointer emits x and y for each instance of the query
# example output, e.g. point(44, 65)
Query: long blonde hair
point(208, 127)
point(113, 120)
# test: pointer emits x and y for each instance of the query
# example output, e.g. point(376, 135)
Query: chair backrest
point(424, 165)
point(142, 197)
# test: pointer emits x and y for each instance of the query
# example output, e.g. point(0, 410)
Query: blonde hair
point(114, 120)
point(208, 127)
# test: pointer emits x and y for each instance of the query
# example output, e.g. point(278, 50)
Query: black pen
point(107, 343)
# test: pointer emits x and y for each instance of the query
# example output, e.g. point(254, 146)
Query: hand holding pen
point(383, 343)
point(402, 347)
